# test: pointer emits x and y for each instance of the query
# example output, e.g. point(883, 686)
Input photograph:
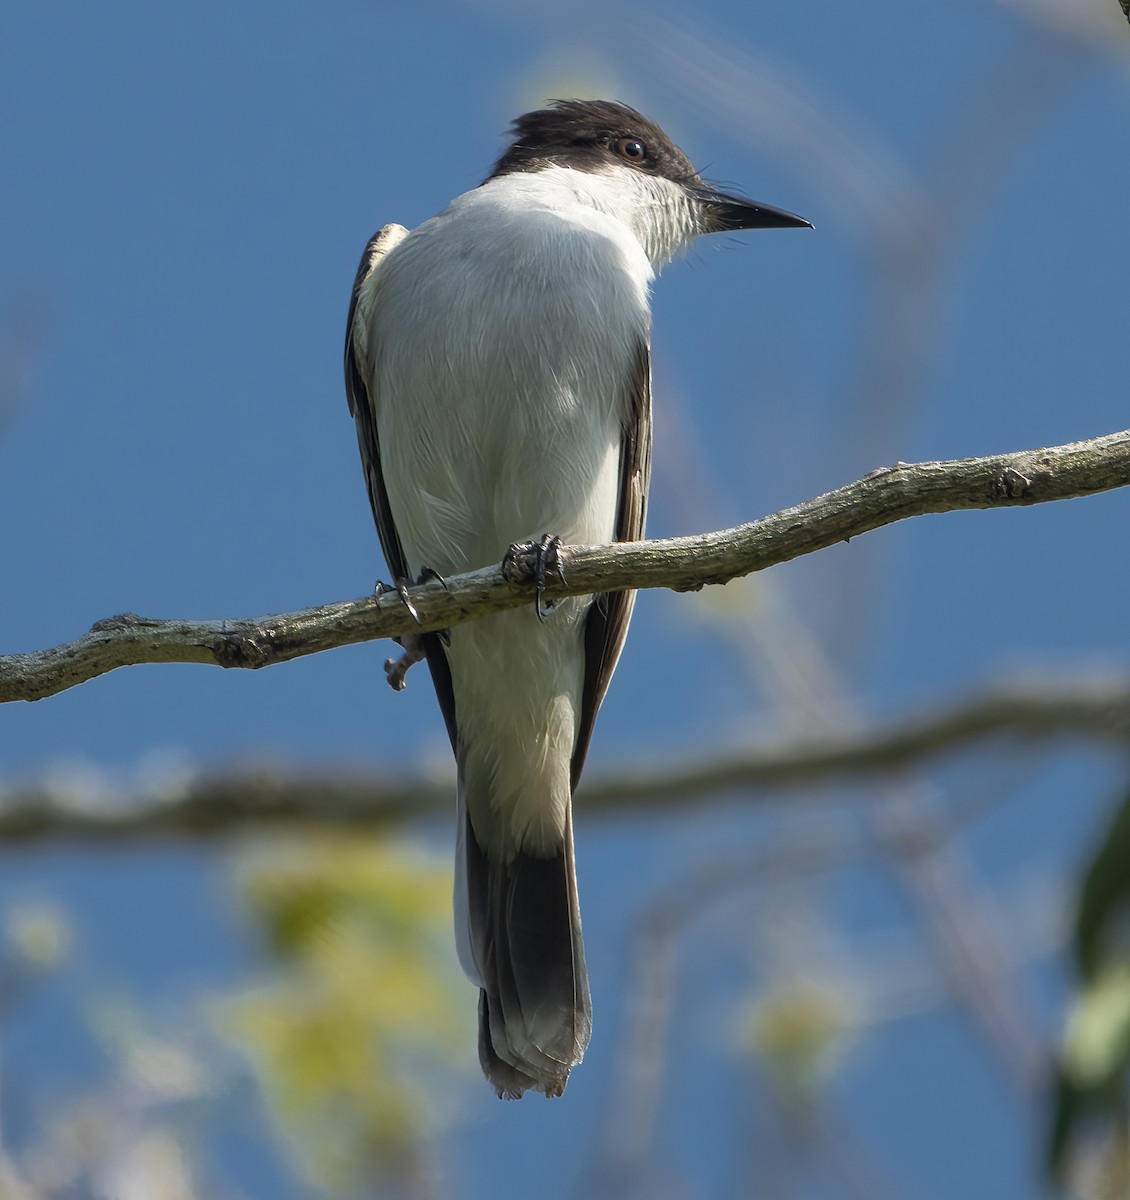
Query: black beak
point(724, 214)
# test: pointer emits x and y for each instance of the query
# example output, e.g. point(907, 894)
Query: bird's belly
point(506, 456)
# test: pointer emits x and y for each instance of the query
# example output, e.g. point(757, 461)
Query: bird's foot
point(397, 668)
point(540, 559)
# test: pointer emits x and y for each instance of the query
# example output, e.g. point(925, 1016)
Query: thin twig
point(687, 563)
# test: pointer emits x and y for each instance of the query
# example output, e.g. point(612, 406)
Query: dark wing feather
point(357, 371)
point(607, 623)
point(360, 405)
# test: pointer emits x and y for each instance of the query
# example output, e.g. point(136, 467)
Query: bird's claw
point(430, 575)
point(402, 584)
point(400, 587)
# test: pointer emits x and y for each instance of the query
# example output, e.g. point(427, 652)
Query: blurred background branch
point(1033, 714)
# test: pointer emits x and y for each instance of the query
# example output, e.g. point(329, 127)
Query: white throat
point(657, 211)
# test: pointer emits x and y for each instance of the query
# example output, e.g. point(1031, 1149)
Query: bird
point(497, 367)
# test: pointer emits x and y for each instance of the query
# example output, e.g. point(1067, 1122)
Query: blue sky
point(187, 190)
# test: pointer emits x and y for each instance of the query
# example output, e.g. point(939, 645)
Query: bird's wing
point(607, 623)
point(358, 372)
point(358, 369)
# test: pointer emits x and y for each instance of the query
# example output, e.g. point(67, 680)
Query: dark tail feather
point(524, 924)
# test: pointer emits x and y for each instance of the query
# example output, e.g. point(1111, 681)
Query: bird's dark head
point(601, 136)
point(593, 135)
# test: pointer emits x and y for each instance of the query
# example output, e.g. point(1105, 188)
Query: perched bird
point(497, 365)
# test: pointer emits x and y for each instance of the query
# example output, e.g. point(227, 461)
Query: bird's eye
point(631, 148)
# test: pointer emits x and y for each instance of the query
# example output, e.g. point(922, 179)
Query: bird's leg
point(541, 558)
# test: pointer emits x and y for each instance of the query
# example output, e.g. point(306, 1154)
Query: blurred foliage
point(1093, 1081)
point(1102, 930)
point(365, 1026)
point(360, 1033)
point(125, 1136)
point(37, 936)
point(800, 1033)
point(165, 1067)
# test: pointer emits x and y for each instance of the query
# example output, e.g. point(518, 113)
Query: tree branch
point(686, 563)
point(221, 804)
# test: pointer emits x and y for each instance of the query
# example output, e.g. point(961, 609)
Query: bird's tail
point(518, 926)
